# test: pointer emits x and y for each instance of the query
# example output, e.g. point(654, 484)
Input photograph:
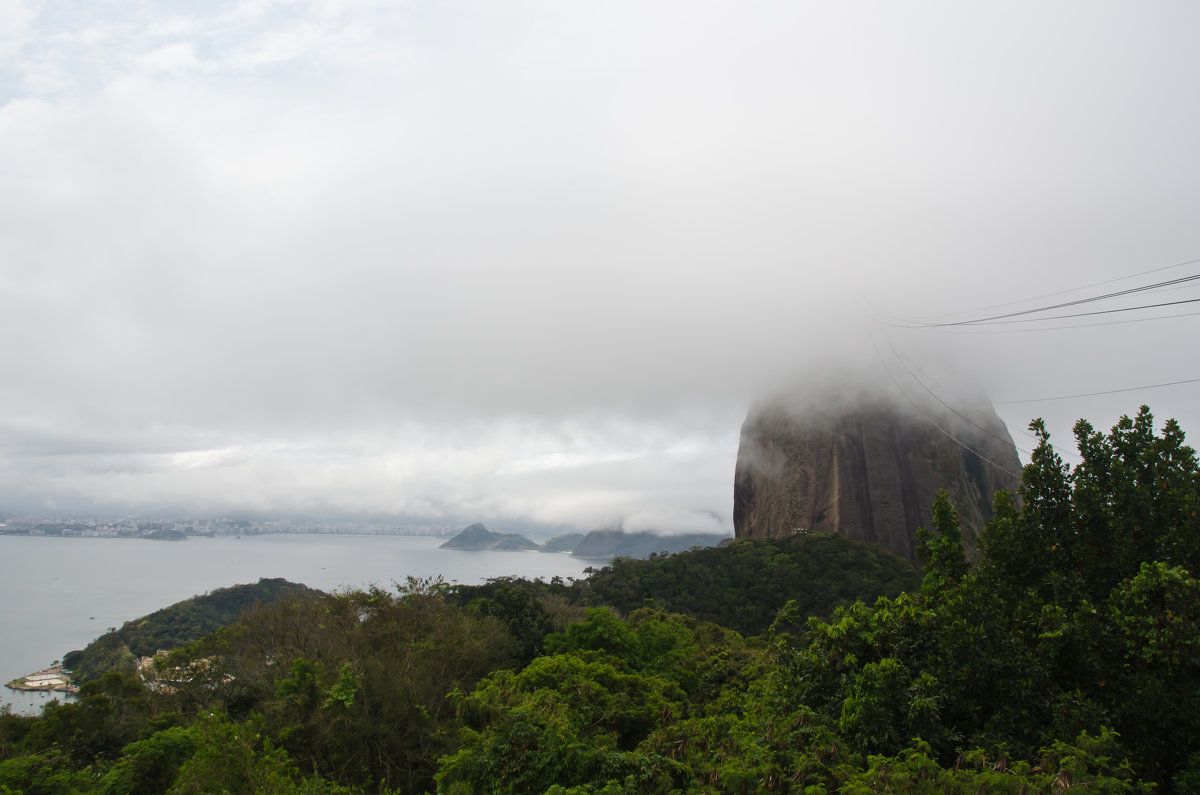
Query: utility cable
point(976, 330)
point(1074, 289)
point(911, 368)
point(992, 319)
point(1093, 394)
point(1084, 314)
point(930, 420)
point(948, 407)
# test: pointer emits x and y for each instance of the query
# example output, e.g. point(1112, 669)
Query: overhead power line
point(1092, 394)
point(1080, 314)
point(909, 369)
point(1006, 317)
point(1038, 314)
point(1072, 289)
point(959, 400)
point(932, 422)
point(981, 330)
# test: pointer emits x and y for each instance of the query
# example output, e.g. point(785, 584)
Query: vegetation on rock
point(1068, 656)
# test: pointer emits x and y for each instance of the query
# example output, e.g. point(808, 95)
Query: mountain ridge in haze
point(478, 537)
point(604, 544)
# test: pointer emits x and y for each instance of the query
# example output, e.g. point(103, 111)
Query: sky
point(533, 261)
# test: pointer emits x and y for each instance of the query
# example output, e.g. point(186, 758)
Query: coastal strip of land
point(55, 679)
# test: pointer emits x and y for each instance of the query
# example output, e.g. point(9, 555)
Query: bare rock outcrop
point(867, 467)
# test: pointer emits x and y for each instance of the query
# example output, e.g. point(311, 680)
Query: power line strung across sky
point(958, 400)
point(934, 423)
point(998, 322)
point(1026, 319)
point(1067, 291)
point(912, 374)
point(1080, 302)
point(1091, 394)
point(1034, 329)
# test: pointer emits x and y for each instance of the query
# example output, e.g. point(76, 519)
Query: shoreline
point(54, 679)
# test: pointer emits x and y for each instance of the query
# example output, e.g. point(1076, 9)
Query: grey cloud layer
point(333, 253)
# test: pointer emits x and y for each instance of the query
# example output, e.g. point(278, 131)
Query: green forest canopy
point(1068, 655)
point(171, 627)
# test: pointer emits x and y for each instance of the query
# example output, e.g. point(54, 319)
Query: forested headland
point(174, 626)
point(1064, 654)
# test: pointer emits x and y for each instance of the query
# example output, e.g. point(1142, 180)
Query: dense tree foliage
point(583, 713)
point(520, 605)
point(356, 688)
point(742, 585)
point(180, 624)
point(1068, 656)
point(1083, 617)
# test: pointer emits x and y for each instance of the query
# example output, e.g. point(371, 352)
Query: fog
point(534, 261)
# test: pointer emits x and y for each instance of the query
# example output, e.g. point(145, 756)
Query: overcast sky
point(534, 260)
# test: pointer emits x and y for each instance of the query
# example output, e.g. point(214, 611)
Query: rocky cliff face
point(867, 468)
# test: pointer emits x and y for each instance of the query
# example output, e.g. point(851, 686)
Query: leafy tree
point(355, 686)
point(1081, 617)
point(111, 713)
point(49, 772)
point(239, 757)
point(1068, 657)
point(942, 551)
point(150, 766)
point(580, 719)
point(523, 614)
point(172, 627)
point(742, 585)
point(1085, 763)
point(1153, 681)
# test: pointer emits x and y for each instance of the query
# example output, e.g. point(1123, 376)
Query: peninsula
point(55, 678)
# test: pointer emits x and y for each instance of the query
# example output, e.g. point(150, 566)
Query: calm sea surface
point(58, 594)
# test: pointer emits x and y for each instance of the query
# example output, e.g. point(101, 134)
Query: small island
point(479, 538)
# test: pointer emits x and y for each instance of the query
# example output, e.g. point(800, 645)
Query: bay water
point(59, 594)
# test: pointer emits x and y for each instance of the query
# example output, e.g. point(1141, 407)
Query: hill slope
point(744, 584)
point(477, 537)
point(174, 626)
point(618, 543)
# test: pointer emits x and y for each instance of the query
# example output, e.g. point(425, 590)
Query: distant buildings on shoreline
point(177, 530)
